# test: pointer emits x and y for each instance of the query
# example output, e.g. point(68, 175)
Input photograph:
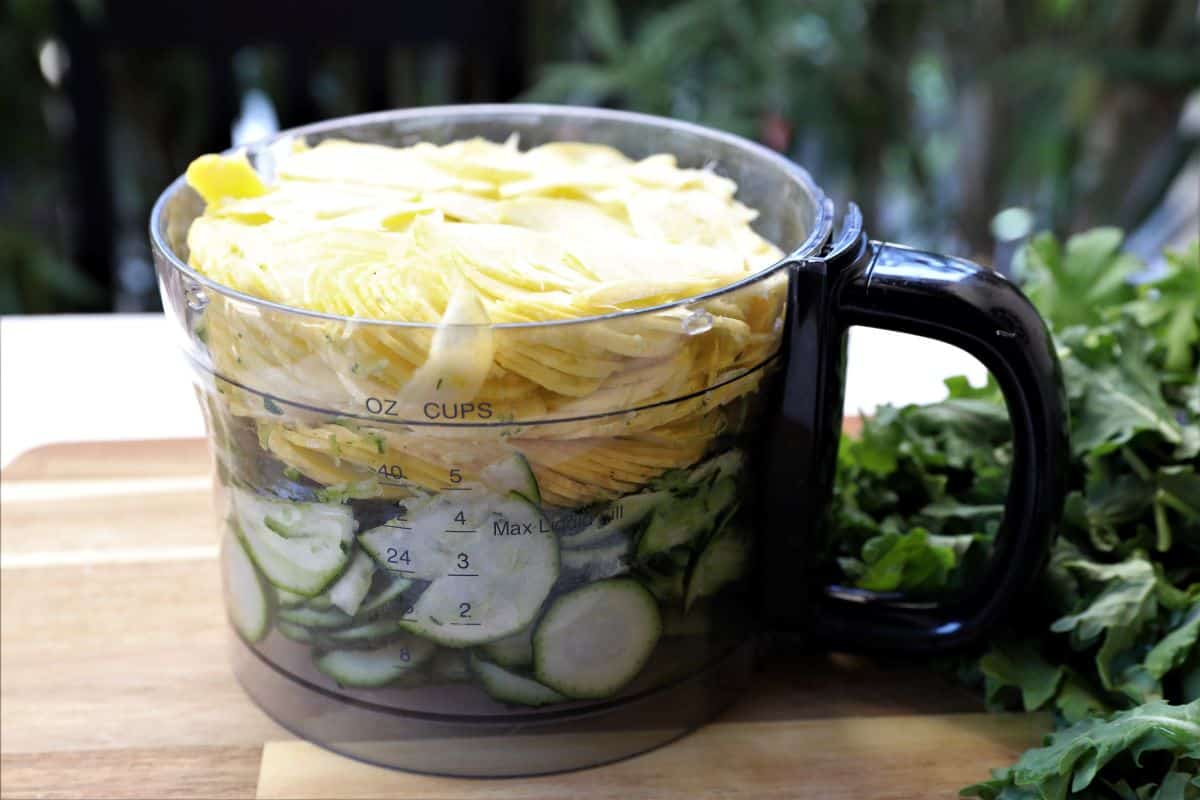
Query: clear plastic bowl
point(453, 577)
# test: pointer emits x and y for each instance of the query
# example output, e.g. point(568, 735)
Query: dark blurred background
point(955, 125)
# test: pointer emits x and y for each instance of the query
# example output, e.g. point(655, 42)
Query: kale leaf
point(1112, 642)
point(1072, 759)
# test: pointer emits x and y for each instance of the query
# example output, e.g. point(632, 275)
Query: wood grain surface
point(114, 680)
point(850, 758)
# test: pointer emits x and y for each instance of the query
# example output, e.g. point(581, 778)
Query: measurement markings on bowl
point(390, 472)
point(626, 419)
point(455, 477)
point(394, 555)
point(432, 410)
point(460, 519)
point(462, 562)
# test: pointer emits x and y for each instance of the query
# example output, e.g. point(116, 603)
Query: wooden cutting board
point(114, 680)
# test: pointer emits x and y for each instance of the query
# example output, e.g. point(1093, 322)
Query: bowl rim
point(821, 228)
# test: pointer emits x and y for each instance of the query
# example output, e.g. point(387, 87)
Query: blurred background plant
point(933, 116)
point(961, 126)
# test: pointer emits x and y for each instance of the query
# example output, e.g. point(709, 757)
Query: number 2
point(464, 609)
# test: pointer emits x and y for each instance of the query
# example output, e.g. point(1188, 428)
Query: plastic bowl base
point(496, 746)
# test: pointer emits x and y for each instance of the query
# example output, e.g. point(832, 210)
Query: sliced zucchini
point(321, 602)
point(512, 474)
point(511, 651)
point(619, 517)
point(407, 546)
point(374, 668)
point(385, 590)
point(368, 635)
point(726, 464)
point(495, 568)
point(350, 589)
point(723, 560)
point(684, 521)
point(668, 587)
point(595, 640)
point(300, 547)
point(315, 617)
point(450, 666)
point(288, 599)
point(731, 462)
point(396, 549)
point(588, 564)
point(297, 633)
point(509, 687)
point(247, 596)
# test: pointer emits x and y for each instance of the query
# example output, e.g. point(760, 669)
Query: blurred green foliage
point(161, 112)
point(35, 276)
point(931, 115)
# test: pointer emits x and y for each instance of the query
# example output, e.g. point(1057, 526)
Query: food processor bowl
point(494, 549)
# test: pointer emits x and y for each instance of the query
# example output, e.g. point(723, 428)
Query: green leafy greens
point(1111, 643)
point(1075, 757)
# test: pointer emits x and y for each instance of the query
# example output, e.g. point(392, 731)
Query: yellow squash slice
point(450, 241)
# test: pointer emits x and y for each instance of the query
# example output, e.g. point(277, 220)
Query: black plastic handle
point(955, 301)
